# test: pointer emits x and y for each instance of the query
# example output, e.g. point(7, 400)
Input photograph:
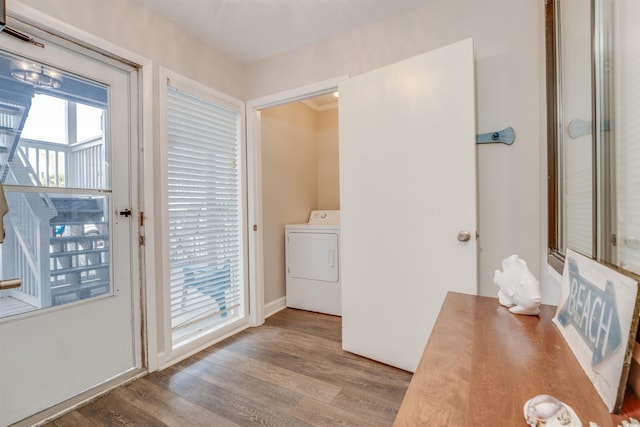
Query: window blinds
point(205, 213)
point(627, 131)
point(576, 98)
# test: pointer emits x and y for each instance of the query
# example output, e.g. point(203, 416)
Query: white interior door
point(73, 324)
point(407, 187)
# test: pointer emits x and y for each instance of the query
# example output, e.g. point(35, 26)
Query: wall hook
point(505, 136)
point(578, 128)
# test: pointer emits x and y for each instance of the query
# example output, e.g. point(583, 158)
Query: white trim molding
point(275, 306)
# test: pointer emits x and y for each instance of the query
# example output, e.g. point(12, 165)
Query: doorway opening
point(282, 187)
point(300, 174)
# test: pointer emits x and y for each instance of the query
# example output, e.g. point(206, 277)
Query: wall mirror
point(593, 96)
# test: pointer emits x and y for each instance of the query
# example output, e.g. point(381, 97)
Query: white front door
point(65, 166)
point(407, 187)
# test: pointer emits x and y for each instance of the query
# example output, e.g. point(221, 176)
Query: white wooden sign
point(597, 317)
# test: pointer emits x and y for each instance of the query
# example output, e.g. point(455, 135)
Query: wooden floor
point(289, 372)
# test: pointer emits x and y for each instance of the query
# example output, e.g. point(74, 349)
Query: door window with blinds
point(204, 196)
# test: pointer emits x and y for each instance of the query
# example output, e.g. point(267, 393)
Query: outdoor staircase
point(15, 102)
point(57, 244)
point(79, 250)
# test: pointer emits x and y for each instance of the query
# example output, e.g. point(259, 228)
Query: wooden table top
point(482, 363)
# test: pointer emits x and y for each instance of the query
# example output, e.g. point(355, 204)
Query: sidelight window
point(205, 212)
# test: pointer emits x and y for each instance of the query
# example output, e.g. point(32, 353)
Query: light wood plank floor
point(289, 372)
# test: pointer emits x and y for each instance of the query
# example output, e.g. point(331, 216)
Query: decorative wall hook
point(578, 128)
point(505, 136)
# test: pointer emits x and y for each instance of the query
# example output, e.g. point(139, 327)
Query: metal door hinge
point(141, 240)
point(141, 219)
point(614, 239)
point(255, 227)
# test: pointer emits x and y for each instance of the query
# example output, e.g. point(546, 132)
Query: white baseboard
point(275, 306)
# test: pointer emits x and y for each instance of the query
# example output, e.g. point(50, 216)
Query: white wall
point(289, 183)
point(509, 40)
point(328, 160)
point(130, 26)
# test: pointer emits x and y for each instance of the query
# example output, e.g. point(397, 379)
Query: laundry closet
point(300, 174)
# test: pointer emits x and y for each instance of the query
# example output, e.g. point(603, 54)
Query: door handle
point(10, 284)
point(332, 258)
point(464, 236)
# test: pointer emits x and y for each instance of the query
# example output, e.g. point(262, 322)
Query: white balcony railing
point(80, 165)
point(27, 250)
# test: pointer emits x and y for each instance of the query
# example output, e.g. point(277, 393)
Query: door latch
point(126, 213)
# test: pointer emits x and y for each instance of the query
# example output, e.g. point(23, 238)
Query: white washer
point(312, 253)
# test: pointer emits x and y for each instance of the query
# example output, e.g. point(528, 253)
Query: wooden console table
point(482, 363)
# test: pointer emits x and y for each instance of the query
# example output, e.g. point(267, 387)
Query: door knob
point(464, 236)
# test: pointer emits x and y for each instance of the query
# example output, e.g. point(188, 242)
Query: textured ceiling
point(247, 31)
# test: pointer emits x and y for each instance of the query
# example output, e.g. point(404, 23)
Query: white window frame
point(167, 353)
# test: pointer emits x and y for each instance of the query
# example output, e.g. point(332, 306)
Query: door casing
point(254, 181)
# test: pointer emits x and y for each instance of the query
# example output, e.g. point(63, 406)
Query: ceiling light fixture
point(36, 74)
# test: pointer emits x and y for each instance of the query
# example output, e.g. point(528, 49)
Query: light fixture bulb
point(36, 75)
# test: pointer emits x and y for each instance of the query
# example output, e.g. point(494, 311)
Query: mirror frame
point(555, 251)
point(554, 257)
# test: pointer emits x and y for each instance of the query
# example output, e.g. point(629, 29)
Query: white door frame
point(254, 181)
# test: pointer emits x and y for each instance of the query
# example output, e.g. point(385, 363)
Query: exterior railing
point(26, 252)
point(80, 165)
point(87, 164)
point(28, 237)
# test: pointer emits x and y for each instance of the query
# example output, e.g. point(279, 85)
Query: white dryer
point(312, 253)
